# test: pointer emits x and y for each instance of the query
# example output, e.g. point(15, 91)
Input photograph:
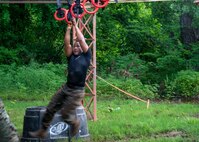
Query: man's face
point(76, 48)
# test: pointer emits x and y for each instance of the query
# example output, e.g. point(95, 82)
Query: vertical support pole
point(94, 70)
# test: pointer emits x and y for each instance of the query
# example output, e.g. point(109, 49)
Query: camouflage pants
point(66, 100)
point(7, 130)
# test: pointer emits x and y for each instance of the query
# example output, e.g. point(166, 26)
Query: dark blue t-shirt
point(77, 69)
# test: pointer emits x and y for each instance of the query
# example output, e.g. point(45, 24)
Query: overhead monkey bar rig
point(54, 1)
point(87, 25)
point(77, 9)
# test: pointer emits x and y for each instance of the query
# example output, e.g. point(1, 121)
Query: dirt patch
point(172, 134)
point(196, 115)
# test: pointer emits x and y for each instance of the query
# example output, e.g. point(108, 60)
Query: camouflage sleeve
point(8, 131)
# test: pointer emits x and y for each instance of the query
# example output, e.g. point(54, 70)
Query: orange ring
point(60, 19)
point(67, 21)
point(73, 14)
point(89, 12)
point(98, 5)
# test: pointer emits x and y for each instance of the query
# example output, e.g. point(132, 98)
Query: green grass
point(130, 121)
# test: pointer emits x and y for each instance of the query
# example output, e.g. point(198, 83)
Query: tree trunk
point(188, 33)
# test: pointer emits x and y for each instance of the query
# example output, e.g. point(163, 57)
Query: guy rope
point(137, 98)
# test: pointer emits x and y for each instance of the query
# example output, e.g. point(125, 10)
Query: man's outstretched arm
point(67, 45)
point(80, 37)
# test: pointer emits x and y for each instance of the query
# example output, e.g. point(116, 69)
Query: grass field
point(130, 121)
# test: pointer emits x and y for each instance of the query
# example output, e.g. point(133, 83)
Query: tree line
point(156, 43)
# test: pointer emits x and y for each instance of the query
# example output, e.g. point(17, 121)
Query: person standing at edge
point(70, 95)
point(8, 132)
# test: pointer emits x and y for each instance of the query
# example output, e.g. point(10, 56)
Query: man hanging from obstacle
point(70, 95)
point(8, 131)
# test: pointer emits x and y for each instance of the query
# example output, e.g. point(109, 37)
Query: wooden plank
point(64, 1)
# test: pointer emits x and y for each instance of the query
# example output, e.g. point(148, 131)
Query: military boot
point(75, 127)
point(41, 133)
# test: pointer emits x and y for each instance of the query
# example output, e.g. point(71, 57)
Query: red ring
point(67, 21)
point(89, 12)
point(98, 5)
point(60, 19)
point(73, 14)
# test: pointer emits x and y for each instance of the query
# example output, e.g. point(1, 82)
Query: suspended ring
point(89, 12)
point(66, 18)
point(75, 15)
point(105, 3)
point(62, 18)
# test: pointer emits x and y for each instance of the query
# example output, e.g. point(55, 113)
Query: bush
point(7, 73)
point(128, 66)
point(185, 85)
point(169, 65)
point(34, 80)
point(132, 86)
